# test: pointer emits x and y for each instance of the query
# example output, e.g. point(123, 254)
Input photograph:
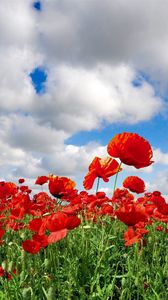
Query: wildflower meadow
point(67, 244)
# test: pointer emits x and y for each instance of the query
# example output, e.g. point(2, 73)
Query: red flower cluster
point(137, 214)
point(50, 222)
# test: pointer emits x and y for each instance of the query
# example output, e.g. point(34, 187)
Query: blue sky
point(73, 76)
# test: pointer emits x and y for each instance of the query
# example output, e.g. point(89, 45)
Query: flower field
point(69, 244)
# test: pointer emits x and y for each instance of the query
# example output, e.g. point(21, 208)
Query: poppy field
point(68, 244)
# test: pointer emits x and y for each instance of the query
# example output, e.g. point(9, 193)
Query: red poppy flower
point(24, 189)
point(2, 272)
point(107, 209)
point(21, 180)
point(38, 225)
point(35, 224)
point(2, 232)
point(122, 196)
point(100, 167)
point(159, 228)
point(72, 222)
point(56, 221)
point(31, 246)
point(41, 180)
point(42, 239)
point(71, 210)
point(157, 199)
point(149, 207)
point(134, 184)
point(131, 237)
point(17, 213)
point(60, 186)
point(131, 214)
point(10, 224)
point(131, 149)
point(163, 209)
point(7, 189)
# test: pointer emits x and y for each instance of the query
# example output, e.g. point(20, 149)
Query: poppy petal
point(57, 235)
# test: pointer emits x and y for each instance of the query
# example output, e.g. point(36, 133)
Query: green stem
point(115, 181)
point(97, 187)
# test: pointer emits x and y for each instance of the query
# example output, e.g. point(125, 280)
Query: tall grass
point(90, 263)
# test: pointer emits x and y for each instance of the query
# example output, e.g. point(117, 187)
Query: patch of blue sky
point(39, 77)
point(37, 5)
point(153, 131)
point(137, 81)
point(141, 77)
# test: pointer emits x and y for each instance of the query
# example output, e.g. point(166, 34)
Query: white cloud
point(87, 32)
point(160, 182)
point(17, 163)
point(18, 55)
point(24, 132)
point(82, 99)
point(160, 157)
point(91, 51)
point(73, 160)
point(17, 23)
point(160, 179)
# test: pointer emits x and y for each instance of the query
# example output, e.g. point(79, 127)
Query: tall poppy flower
point(131, 149)
point(134, 184)
point(60, 186)
point(102, 168)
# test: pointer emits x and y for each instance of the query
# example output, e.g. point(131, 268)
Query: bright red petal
point(89, 180)
point(57, 235)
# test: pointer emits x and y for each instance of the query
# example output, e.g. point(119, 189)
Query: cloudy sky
point(72, 75)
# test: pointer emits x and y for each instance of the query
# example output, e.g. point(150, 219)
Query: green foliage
point(90, 263)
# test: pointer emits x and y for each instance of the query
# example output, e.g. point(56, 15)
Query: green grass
point(90, 263)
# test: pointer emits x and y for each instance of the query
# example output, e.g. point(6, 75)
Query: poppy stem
point(116, 177)
point(97, 187)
